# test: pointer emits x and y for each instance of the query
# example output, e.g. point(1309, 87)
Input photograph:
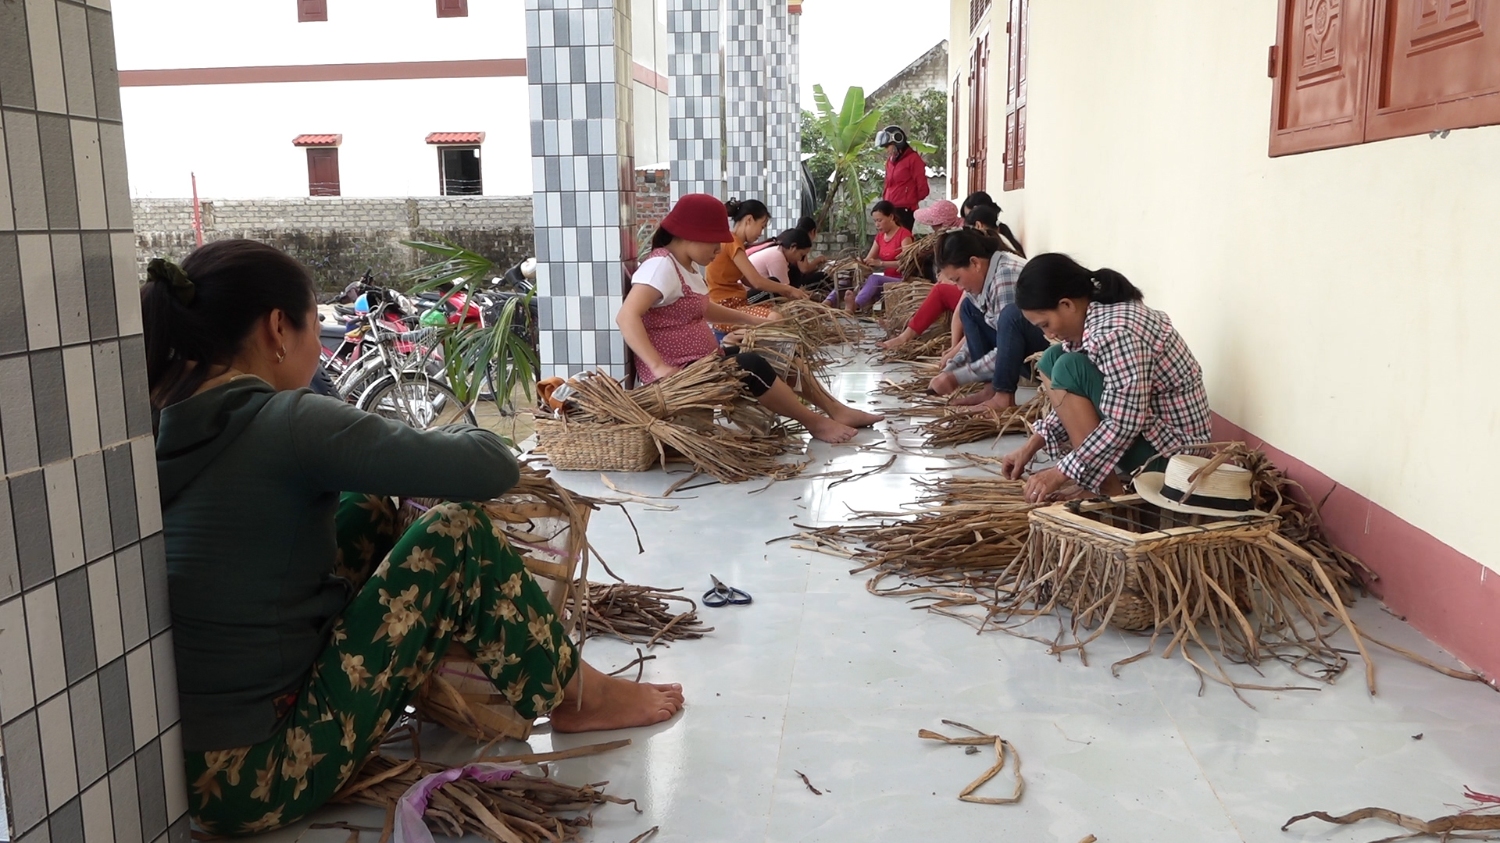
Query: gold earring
point(281, 355)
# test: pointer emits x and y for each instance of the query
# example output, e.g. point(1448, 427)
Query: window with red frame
point(1015, 94)
point(1355, 71)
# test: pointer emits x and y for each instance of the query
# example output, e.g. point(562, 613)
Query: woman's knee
point(1073, 372)
point(760, 375)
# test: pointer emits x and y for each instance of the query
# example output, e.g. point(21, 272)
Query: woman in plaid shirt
point(1124, 386)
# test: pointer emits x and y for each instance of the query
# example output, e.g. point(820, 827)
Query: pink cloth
point(772, 264)
point(409, 825)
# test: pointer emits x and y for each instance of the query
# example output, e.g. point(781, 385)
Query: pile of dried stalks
point(902, 302)
point(959, 428)
point(638, 614)
point(847, 272)
point(728, 454)
point(929, 346)
point(522, 809)
point(796, 344)
point(1271, 590)
point(916, 256)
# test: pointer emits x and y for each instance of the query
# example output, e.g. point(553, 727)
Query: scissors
point(724, 595)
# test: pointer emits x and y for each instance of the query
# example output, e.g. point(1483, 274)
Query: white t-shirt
point(658, 274)
point(771, 262)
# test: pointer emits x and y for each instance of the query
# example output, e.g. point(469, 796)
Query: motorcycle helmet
point(362, 304)
point(434, 318)
point(890, 135)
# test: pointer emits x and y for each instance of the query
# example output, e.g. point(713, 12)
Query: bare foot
point(849, 304)
point(899, 340)
point(610, 702)
point(833, 432)
point(856, 418)
point(979, 397)
point(1000, 402)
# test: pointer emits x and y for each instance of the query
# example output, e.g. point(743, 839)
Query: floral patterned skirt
point(449, 578)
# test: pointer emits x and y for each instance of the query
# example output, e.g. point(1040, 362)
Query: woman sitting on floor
point(304, 622)
point(786, 251)
point(945, 296)
point(1125, 388)
point(980, 211)
point(731, 272)
point(997, 337)
point(890, 238)
point(665, 320)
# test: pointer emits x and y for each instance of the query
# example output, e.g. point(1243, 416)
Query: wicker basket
point(579, 446)
point(1131, 562)
point(547, 527)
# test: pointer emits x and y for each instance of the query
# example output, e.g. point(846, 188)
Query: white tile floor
point(819, 676)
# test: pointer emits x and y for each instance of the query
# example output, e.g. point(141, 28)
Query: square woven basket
point(592, 446)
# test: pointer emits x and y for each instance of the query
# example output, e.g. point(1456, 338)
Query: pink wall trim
point(1449, 597)
point(647, 76)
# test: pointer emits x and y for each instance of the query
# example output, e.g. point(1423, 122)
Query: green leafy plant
point(849, 135)
point(496, 356)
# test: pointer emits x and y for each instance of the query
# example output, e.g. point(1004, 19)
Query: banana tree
point(482, 363)
point(849, 132)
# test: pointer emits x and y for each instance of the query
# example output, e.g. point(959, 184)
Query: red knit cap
point(699, 217)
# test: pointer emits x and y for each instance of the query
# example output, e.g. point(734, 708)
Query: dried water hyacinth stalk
point(917, 255)
point(523, 809)
point(726, 454)
point(1003, 748)
point(960, 428)
point(847, 272)
point(1441, 828)
point(638, 614)
point(930, 345)
point(901, 302)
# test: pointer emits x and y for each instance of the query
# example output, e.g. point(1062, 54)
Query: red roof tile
point(317, 140)
point(456, 137)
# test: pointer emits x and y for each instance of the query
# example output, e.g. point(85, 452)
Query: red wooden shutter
point(1321, 64)
point(312, 10)
point(1015, 97)
point(1437, 67)
point(323, 171)
point(452, 8)
point(953, 138)
point(979, 109)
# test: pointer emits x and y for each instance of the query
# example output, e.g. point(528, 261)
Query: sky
point(864, 42)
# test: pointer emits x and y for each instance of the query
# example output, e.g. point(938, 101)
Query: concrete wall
point(928, 73)
point(338, 239)
point(1339, 300)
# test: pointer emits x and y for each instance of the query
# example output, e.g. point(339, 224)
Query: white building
point(281, 98)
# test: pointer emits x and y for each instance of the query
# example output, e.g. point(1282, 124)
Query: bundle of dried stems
point(727, 454)
point(638, 614)
point(917, 255)
point(525, 808)
point(930, 345)
point(901, 302)
point(960, 428)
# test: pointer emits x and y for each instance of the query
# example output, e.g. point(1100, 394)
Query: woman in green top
point(303, 622)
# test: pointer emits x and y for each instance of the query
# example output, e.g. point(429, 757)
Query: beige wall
point(1342, 302)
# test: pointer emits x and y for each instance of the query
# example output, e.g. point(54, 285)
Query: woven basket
point(579, 446)
point(781, 354)
point(1127, 560)
point(547, 528)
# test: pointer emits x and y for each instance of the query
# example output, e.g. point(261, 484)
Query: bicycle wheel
point(415, 400)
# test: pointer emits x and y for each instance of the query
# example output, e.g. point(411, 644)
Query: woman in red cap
point(665, 320)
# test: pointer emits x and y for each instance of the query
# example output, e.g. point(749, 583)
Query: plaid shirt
point(1153, 387)
point(999, 291)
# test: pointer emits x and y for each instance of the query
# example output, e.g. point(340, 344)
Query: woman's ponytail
point(1112, 288)
point(1050, 278)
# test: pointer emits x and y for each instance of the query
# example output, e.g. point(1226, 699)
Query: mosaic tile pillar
point(782, 116)
point(583, 178)
point(696, 102)
point(745, 99)
point(88, 696)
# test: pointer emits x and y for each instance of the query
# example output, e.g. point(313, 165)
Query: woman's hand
point(943, 384)
point(794, 293)
point(875, 263)
point(951, 353)
point(664, 369)
point(1013, 466)
point(733, 339)
point(1041, 485)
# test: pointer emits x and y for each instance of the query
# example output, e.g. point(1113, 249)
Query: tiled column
point(88, 697)
point(696, 121)
point(583, 175)
point(781, 118)
point(794, 86)
point(745, 98)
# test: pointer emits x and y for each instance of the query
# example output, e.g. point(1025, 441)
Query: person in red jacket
point(905, 174)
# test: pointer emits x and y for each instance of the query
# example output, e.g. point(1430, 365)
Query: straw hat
point(941, 212)
point(1225, 491)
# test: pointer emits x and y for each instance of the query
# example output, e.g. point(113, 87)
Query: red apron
point(678, 331)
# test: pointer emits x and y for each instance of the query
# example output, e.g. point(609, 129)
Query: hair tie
point(165, 272)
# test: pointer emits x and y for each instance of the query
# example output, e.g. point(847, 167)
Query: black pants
point(906, 218)
point(759, 376)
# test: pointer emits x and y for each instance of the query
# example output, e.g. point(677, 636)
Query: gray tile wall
point(579, 68)
point(696, 105)
point(784, 119)
point(746, 98)
point(88, 705)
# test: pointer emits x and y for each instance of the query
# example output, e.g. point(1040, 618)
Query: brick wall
point(339, 238)
point(653, 198)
